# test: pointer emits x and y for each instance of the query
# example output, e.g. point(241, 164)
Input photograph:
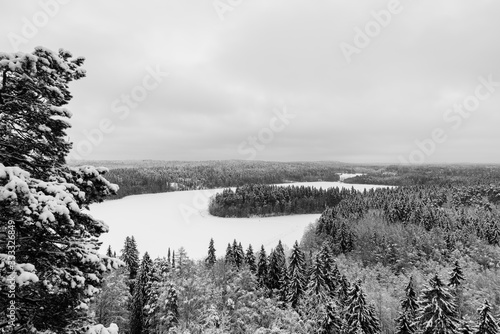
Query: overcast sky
point(275, 79)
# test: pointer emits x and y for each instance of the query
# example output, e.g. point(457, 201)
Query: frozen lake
point(175, 219)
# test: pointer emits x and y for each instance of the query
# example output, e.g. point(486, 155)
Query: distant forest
point(174, 176)
point(271, 200)
point(147, 177)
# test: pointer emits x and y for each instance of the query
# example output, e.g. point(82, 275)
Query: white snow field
point(181, 218)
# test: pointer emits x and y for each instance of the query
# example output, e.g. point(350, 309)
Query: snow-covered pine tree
point(109, 252)
point(276, 268)
point(456, 276)
point(409, 306)
point(329, 268)
point(130, 255)
point(141, 297)
point(296, 275)
point(229, 258)
point(211, 259)
point(250, 259)
point(262, 268)
point(43, 200)
point(171, 308)
point(360, 317)
point(238, 254)
point(437, 311)
point(317, 284)
point(486, 323)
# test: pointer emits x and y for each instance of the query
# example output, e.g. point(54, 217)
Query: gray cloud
point(226, 77)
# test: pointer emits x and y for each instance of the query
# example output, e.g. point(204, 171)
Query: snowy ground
point(175, 219)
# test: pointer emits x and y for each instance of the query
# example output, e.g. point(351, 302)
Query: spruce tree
point(456, 276)
point(141, 296)
point(437, 311)
point(317, 284)
point(360, 317)
point(57, 267)
point(250, 259)
point(296, 275)
point(171, 307)
point(329, 268)
point(277, 267)
point(229, 258)
point(210, 260)
point(238, 254)
point(109, 252)
point(486, 322)
point(130, 255)
point(262, 268)
point(409, 306)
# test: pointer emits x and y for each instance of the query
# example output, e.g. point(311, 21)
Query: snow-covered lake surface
point(175, 219)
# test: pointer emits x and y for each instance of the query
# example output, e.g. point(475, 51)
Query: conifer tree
point(210, 260)
point(486, 322)
point(360, 317)
point(262, 268)
point(109, 252)
point(437, 311)
point(317, 284)
point(57, 268)
point(343, 290)
point(173, 259)
point(296, 275)
point(456, 276)
point(171, 307)
point(130, 255)
point(250, 259)
point(141, 296)
point(329, 269)
point(229, 258)
point(409, 306)
point(238, 254)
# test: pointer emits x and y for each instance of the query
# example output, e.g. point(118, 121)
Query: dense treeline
point(172, 176)
point(269, 200)
point(141, 177)
point(403, 175)
point(298, 290)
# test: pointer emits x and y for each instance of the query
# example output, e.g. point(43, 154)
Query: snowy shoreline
point(181, 218)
